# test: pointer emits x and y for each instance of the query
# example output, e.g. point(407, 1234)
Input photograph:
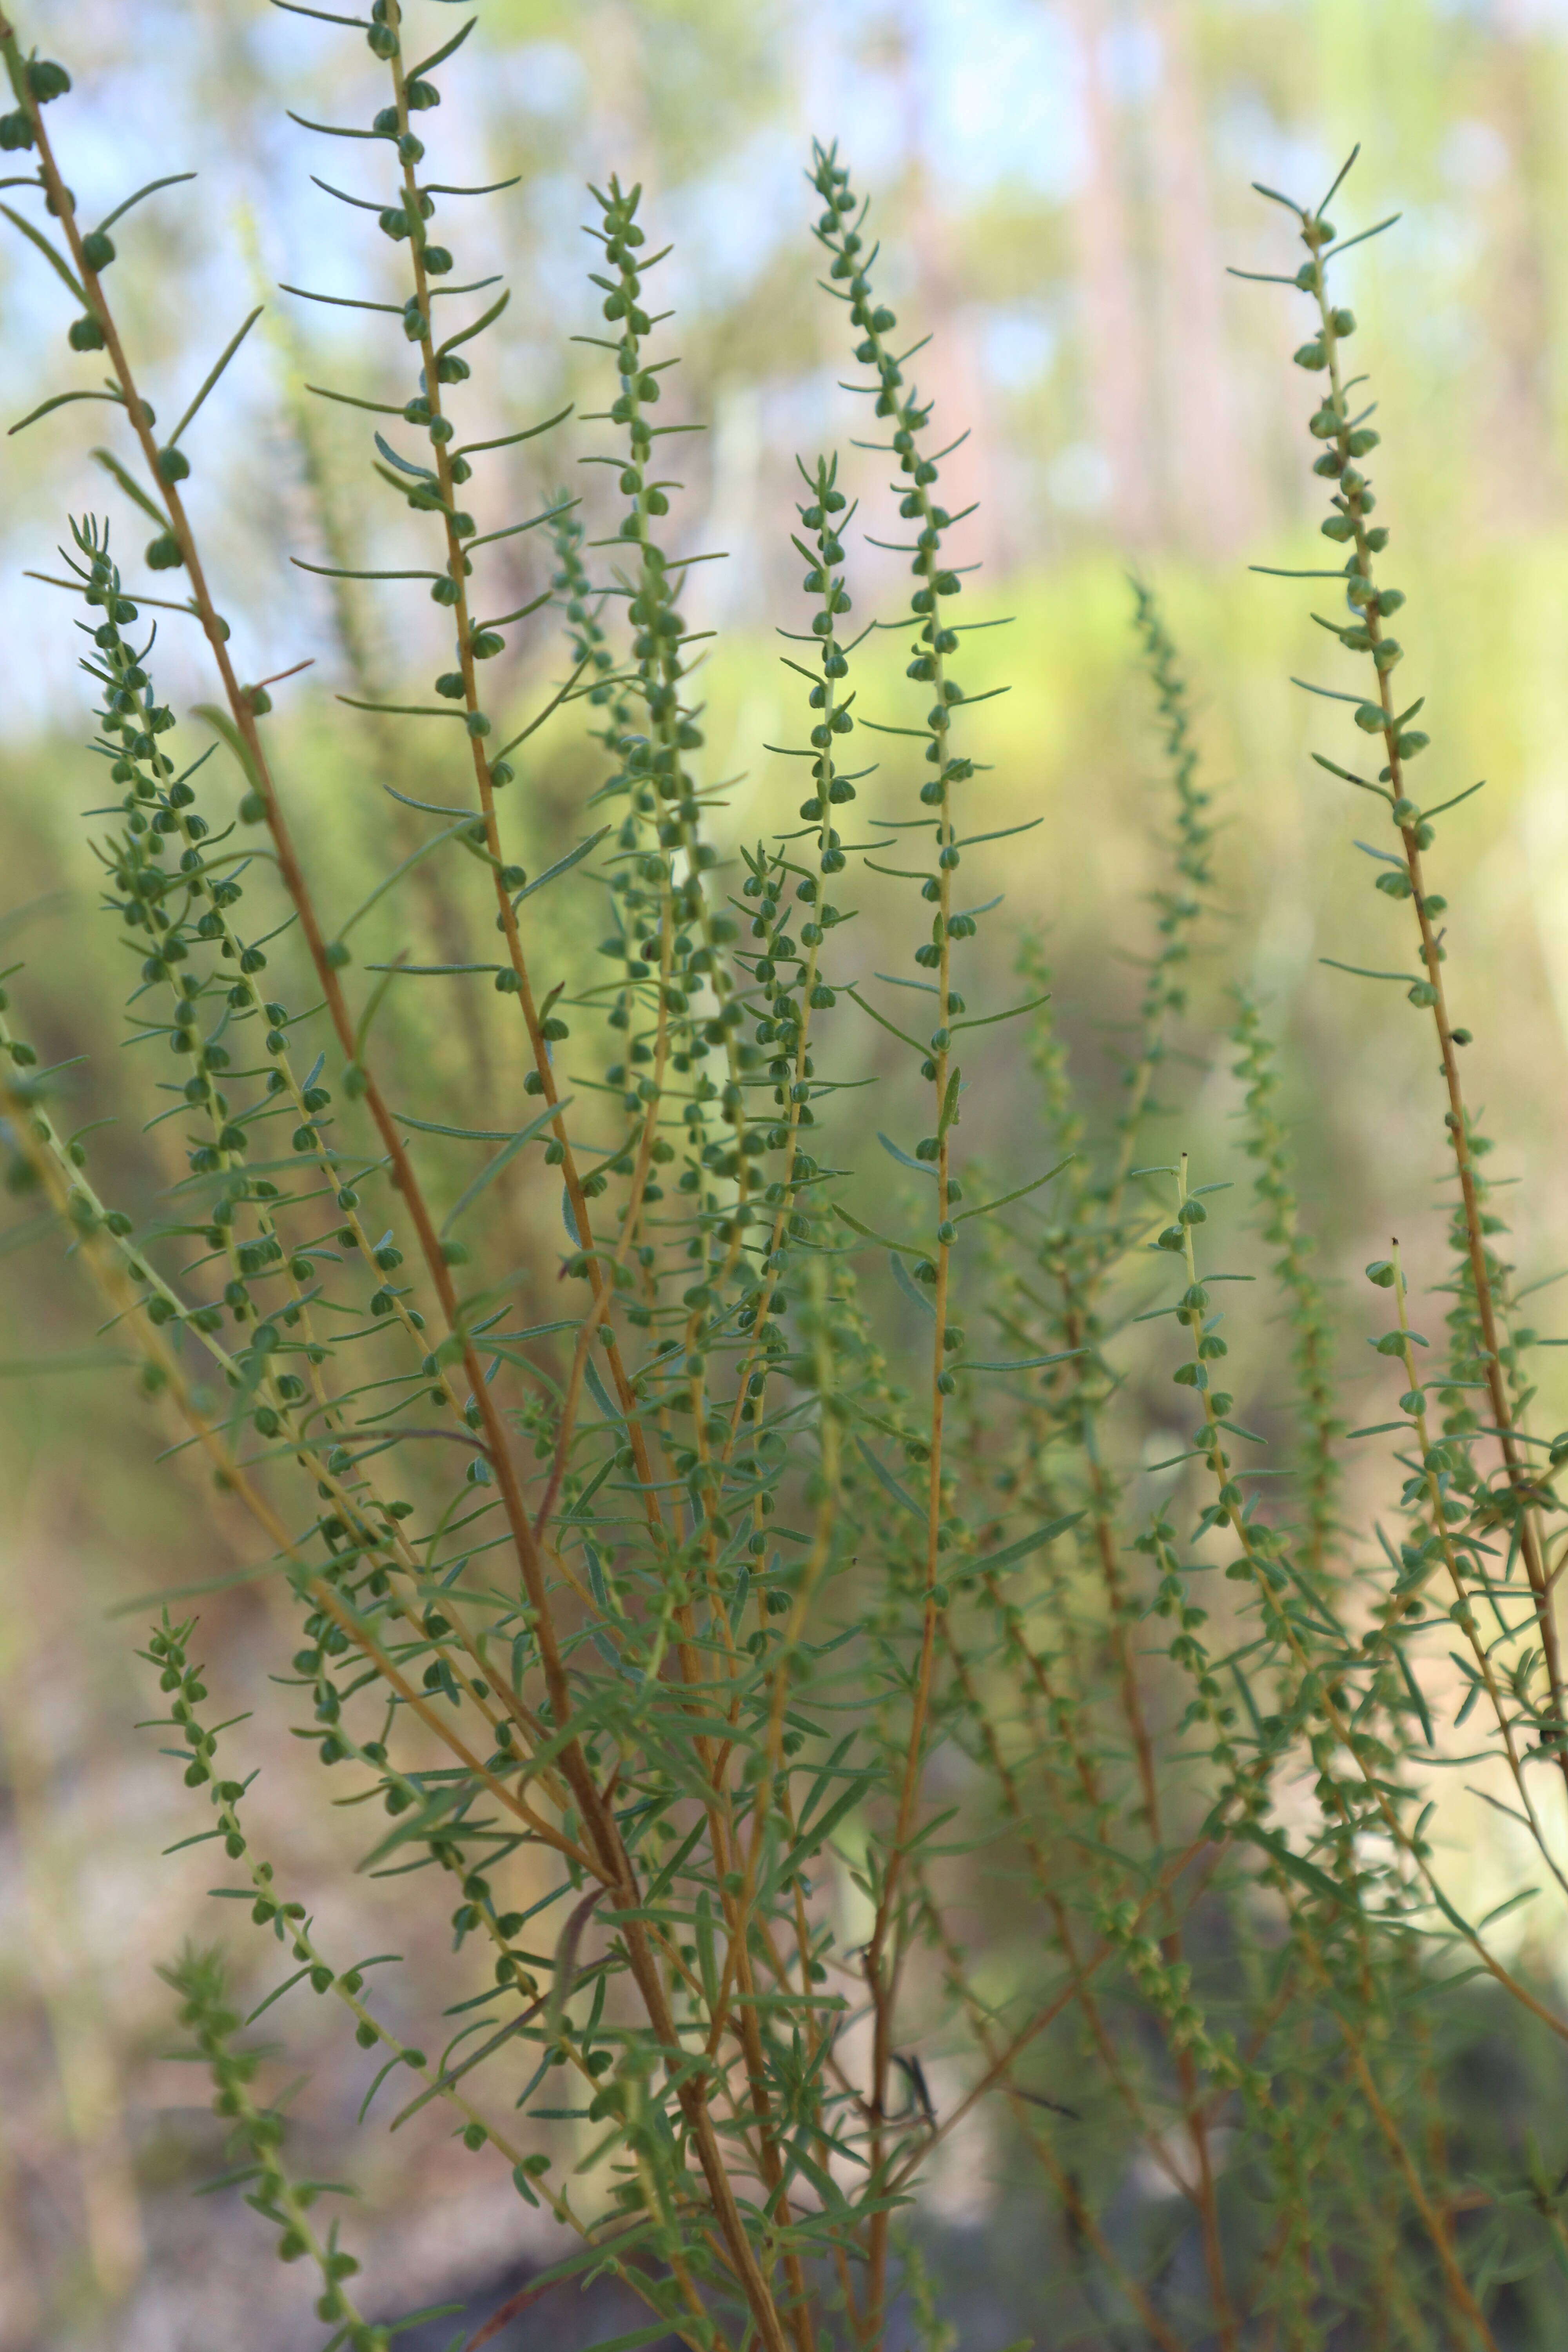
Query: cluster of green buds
point(433, 488)
point(1178, 907)
point(1484, 1357)
point(1450, 1540)
point(827, 517)
point(667, 924)
point(841, 230)
point(1166, 1985)
point(256, 2136)
point(1344, 428)
point(1354, 1759)
point(168, 1652)
point(1186, 1649)
point(676, 1005)
point(180, 916)
point(786, 967)
point(583, 611)
point(42, 80)
point(180, 919)
point(1265, 1142)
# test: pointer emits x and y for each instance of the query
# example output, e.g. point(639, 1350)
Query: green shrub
point(794, 1598)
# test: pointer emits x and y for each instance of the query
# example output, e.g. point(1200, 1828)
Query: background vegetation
point(1067, 186)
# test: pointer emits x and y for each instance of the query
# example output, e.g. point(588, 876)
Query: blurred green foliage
point(1126, 408)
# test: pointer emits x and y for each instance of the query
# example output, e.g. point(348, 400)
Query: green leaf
point(463, 1134)
point(1359, 972)
point(57, 263)
point(1006, 1199)
point(898, 1493)
point(406, 709)
point(1414, 1687)
point(222, 724)
point(529, 432)
point(1306, 1873)
point(902, 1034)
point(170, 179)
point(601, 1394)
point(988, 1020)
point(926, 1168)
point(562, 865)
point(912, 1290)
point(60, 400)
point(904, 1249)
point(422, 473)
point(1022, 1363)
point(1012, 1553)
point(133, 489)
point(397, 873)
point(466, 334)
point(547, 1117)
point(438, 57)
point(217, 369)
